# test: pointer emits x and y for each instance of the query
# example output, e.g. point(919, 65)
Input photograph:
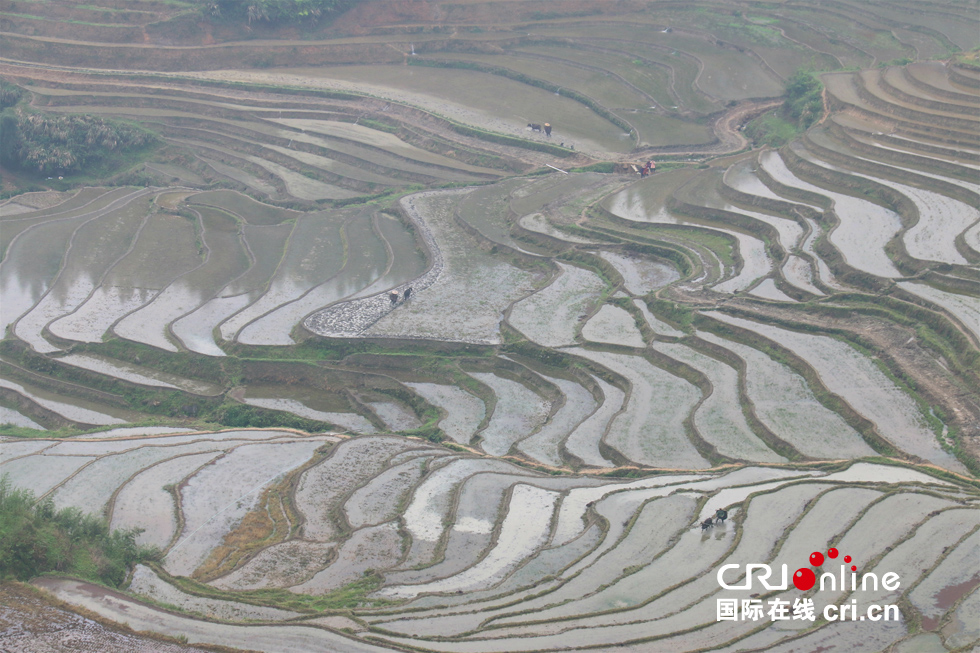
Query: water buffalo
point(408, 292)
point(533, 126)
point(706, 524)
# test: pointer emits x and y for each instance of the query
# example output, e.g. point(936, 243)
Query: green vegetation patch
point(804, 99)
point(59, 144)
point(802, 107)
point(10, 94)
point(245, 416)
point(771, 129)
point(35, 539)
point(275, 11)
point(352, 595)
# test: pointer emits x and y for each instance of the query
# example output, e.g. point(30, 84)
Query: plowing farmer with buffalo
point(535, 127)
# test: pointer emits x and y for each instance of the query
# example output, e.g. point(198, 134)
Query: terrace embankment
point(431, 393)
point(447, 536)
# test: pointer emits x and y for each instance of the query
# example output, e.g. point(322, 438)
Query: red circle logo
point(804, 579)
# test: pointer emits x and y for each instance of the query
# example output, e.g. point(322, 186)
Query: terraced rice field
point(652, 426)
point(715, 419)
point(377, 366)
point(550, 316)
point(848, 373)
point(628, 579)
point(784, 402)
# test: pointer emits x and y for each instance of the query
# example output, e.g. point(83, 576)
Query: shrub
point(64, 143)
point(10, 140)
point(273, 11)
point(35, 538)
point(770, 129)
point(244, 416)
point(10, 94)
point(804, 99)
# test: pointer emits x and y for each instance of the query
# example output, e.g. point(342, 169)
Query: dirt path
point(727, 128)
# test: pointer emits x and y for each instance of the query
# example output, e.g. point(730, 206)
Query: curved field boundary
point(957, 75)
point(434, 121)
point(900, 125)
point(907, 161)
point(894, 368)
point(352, 318)
point(904, 166)
point(948, 117)
point(964, 98)
point(831, 401)
point(889, 88)
point(581, 98)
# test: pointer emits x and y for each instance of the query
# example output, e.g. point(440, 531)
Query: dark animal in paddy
point(721, 515)
point(706, 524)
point(408, 292)
point(393, 296)
point(547, 129)
point(533, 126)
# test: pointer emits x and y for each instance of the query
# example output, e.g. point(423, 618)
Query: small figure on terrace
point(393, 296)
point(547, 129)
point(721, 515)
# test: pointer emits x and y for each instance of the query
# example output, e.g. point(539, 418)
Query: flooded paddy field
point(506, 104)
point(376, 365)
point(602, 585)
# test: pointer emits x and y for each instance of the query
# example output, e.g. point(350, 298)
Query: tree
point(804, 99)
point(11, 141)
point(60, 143)
point(10, 94)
